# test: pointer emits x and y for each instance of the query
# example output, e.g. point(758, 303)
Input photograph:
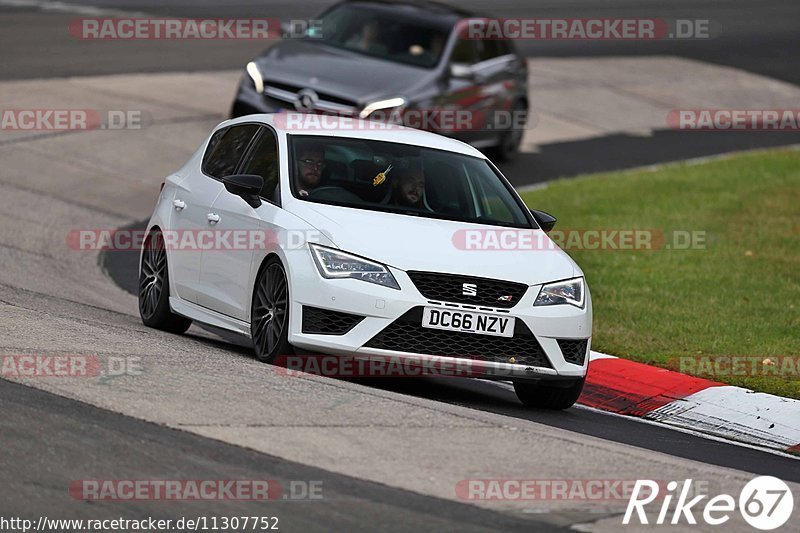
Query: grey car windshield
point(400, 178)
point(380, 34)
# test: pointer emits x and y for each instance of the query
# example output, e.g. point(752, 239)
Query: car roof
point(333, 126)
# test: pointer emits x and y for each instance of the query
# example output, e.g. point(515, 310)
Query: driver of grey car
point(367, 39)
point(310, 164)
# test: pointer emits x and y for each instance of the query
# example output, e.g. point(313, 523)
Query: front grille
point(325, 103)
point(573, 350)
point(325, 322)
point(322, 96)
point(406, 334)
point(450, 288)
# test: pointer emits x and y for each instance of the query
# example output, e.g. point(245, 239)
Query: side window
point(505, 48)
point(492, 203)
point(226, 148)
point(464, 52)
point(491, 48)
point(263, 161)
point(212, 144)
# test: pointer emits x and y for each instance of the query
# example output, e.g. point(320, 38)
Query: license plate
point(468, 322)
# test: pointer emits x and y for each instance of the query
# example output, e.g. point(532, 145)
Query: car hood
point(416, 243)
point(339, 72)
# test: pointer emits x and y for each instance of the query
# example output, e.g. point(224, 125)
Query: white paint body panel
point(198, 193)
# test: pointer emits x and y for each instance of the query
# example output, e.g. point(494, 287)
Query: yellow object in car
point(381, 177)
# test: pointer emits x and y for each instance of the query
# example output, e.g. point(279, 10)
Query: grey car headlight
point(255, 75)
point(390, 103)
point(333, 264)
point(570, 291)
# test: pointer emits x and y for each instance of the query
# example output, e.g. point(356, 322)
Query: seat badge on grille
point(469, 289)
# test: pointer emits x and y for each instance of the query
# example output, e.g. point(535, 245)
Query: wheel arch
point(155, 225)
point(262, 265)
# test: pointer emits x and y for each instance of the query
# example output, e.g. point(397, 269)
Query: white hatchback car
point(361, 241)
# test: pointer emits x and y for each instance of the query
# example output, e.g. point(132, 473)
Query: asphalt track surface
point(48, 440)
point(34, 480)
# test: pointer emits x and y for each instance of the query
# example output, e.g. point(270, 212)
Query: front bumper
point(248, 101)
point(381, 307)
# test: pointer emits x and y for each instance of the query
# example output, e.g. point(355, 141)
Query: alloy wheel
point(151, 277)
point(270, 306)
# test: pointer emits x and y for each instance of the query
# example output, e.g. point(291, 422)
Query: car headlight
point(381, 104)
point(338, 264)
point(255, 75)
point(571, 291)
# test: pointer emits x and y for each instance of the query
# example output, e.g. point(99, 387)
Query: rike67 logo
point(765, 503)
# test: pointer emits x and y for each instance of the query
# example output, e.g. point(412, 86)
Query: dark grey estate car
point(384, 60)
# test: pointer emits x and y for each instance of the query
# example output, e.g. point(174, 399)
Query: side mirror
point(247, 186)
point(461, 71)
point(546, 221)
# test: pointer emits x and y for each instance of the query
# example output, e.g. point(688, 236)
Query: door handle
point(213, 218)
point(178, 204)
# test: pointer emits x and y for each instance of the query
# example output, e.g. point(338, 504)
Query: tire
point(154, 288)
point(544, 396)
point(269, 313)
point(510, 140)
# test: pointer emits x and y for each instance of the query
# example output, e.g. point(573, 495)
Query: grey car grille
point(325, 102)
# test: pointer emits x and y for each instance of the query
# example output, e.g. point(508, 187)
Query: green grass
point(740, 295)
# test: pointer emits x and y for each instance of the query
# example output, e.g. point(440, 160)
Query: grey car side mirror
point(461, 71)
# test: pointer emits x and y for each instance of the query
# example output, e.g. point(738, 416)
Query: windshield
point(400, 178)
point(383, 35)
